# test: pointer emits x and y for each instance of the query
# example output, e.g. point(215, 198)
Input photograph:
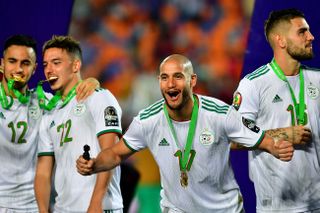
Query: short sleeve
point(45, 144)
point(134, 136)
point(106, 113)
point(241, 131)
point(246, 99)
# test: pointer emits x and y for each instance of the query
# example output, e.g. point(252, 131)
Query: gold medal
point(184, 179)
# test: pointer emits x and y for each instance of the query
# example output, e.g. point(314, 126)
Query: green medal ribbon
point(42, 99)
point(52, 103)
point(69, 96)
point(3, 99)
point(299, 107)
point(24, 99)
point(191, 131)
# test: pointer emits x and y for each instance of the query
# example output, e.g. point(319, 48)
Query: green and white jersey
point(265, 99)
point(18, 140)
point(212, 186)
point(63, 133)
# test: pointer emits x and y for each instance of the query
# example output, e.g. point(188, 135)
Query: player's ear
point(76, 65)
point(281, 41)
point(193, 80)
point(34, 69)
point(1, 65)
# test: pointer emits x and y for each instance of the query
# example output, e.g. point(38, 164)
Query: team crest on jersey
point(250, 125)
point(79, 109)
point(312, 91)
point(206, 137)
point(110, 116)
point(34, 112)
point(237, 98)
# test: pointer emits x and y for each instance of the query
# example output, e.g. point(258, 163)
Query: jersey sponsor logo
point(79, 109)
point(2, 116)
point(164, 142)
point(206, 137)
point(237, 98)
point(312, 91)
point(277, 99)
point(34, 112)
point(110, 116)
point(250, 125)
point(52, 124)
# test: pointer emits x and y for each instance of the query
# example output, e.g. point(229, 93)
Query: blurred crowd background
point(124, 42)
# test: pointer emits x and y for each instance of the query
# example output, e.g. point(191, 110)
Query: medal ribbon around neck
point(52, 103)
point(299, 107)
point(3, 99)
point(24, 99)
point(191, 131)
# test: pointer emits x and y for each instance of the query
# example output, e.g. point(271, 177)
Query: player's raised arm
point(106, 160)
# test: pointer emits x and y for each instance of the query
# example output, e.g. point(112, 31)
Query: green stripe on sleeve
point(45, 154)
point(109, 131)
point(126, 143)
point(260, 140)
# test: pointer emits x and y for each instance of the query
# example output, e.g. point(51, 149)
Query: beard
point(299, 54)
point(185, 99)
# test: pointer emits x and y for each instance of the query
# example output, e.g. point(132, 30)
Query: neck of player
point(183, 114)
point(288, 65)
point(69, 86)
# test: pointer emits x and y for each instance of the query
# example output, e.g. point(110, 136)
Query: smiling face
point(61, 69)
point(176, 84)
point(19, 62)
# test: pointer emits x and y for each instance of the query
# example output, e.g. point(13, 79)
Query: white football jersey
point(265, 99)
point(18, 137)
point(63, 133)
point(212, 186)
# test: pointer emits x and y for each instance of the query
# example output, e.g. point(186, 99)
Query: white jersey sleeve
point(134, 137)
point(106, 112)
point(45, 145)
point(246, 91)
point(242, 131)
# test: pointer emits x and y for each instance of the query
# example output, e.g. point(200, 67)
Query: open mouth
point(173, 94)
point(52, 79)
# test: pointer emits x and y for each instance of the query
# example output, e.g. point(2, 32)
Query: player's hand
point(283, 150)
point(86, 88)
point(298, 135)
point(85, 167)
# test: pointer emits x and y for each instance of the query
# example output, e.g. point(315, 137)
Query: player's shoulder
point(213, 105)
point(101, 94)
point(151, 111)
point(259, 74)
point(308, 69)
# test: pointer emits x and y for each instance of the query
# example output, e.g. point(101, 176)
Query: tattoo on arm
point(278, 133)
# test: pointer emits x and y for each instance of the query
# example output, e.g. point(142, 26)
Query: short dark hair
point(277, 16)
point(66, 43)
point(21, 40)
